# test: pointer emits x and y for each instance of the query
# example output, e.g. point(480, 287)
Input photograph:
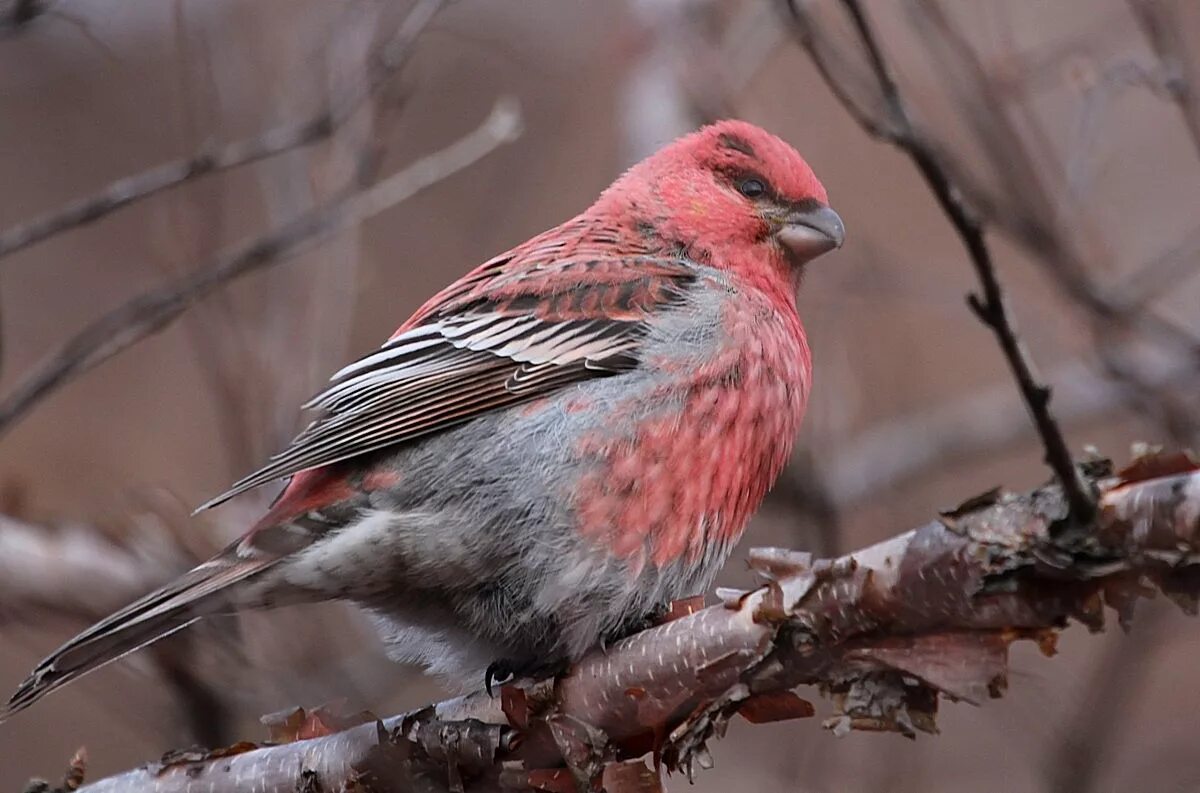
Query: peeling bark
point(884, 632)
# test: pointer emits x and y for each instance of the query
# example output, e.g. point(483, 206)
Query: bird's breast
point(687, 456)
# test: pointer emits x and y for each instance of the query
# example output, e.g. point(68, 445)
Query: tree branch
point(883, 631)
point(16, 14)
point(82, 574)
point(1164, 24)
point(908, 448)
point(247, 151)
point(156, 309)
point(76, 572)
point(900, 130)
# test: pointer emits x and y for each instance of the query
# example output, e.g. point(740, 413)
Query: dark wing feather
point(193, 595)
point(517, 328)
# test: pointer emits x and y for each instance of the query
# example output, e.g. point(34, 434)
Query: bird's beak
point(808, 233)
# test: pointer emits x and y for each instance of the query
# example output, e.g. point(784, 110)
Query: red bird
point(559, 442)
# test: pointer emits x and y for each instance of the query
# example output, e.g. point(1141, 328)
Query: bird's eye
point(751, 188)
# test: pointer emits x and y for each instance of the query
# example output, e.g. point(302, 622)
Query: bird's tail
point(202, 591)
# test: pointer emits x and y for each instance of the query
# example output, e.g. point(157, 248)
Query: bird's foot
point(507, 670)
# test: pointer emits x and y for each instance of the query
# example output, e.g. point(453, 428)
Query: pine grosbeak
point(568, 436)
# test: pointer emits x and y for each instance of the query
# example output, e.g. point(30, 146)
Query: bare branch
point(286, 137)
point(1163, 22)
point(884, 631)
point(991, 308)
point(1174, 409)
point(903, 450)
point(75, 571)
point(16, 14)
point(153, 311)
point(1025, 209)
point(82, 574)
point(1025, 213)
point(1165, 272)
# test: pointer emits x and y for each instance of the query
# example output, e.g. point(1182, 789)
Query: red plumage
point(570, 434)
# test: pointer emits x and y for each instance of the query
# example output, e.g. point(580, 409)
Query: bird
point(554, 446)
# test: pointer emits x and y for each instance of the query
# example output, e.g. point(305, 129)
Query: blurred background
point(1074, 127)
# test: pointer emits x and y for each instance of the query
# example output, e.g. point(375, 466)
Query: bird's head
point(729, 190)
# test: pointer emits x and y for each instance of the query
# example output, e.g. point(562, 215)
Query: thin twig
point(1165, 30)
point(899, 129)
point(1027, 211)
point(286, 137)
point(911, 447)
point(156, 309)
point(1165, 272)
point(1174, 409)
point(16, 14)
point(203, 706)
point(1026, 214)
point(76, 572)
point(1112, 311)
point(1044, 237)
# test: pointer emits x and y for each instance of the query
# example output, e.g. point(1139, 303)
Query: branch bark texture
point(884, 632)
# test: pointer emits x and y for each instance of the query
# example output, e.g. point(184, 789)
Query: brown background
point(102, 89)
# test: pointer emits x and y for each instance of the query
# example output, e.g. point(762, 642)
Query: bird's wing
point(518, 327)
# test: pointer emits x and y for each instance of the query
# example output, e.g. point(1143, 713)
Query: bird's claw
point(506, 670)
point(497, 672)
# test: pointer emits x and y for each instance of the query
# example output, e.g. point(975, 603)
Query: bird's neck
point(759, 264)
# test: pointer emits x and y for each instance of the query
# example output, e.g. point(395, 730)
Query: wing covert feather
point(518, 327)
